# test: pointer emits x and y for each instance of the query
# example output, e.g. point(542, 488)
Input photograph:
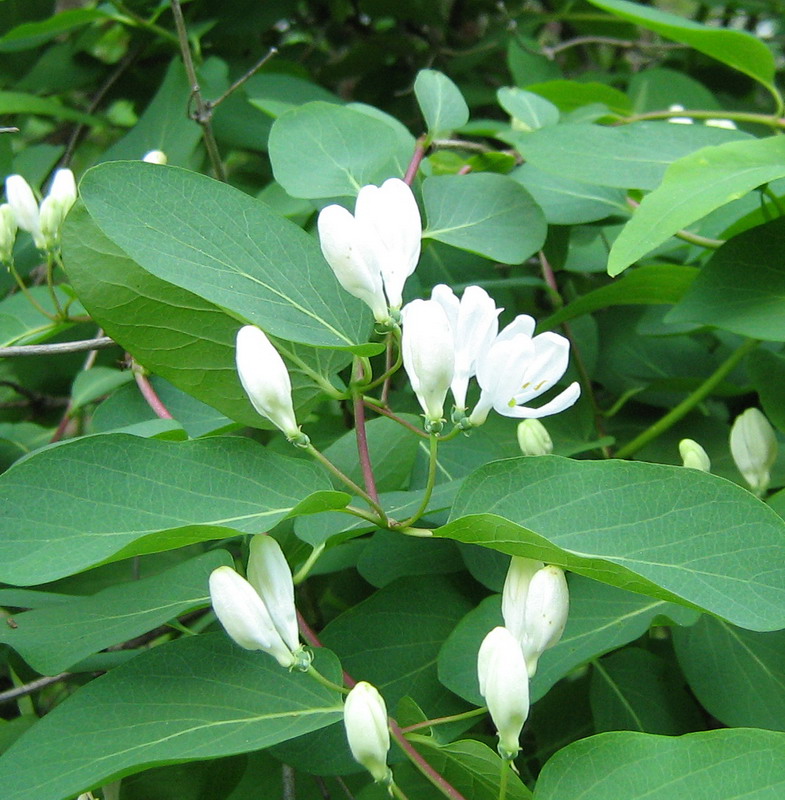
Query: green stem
point(432, 464)
point(50, 283)
point(143, 23)
point(345, 479)
point(503, 778)
point(396, 791)
point(429, 723)
point(686, 405)
point(774, 199)
point(26, 292)
point(769, 120)
point(367, 516)
point(317, 676)
point(302, 573)
point(377, 406)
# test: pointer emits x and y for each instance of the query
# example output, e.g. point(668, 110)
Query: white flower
point(514, 594)
point(25, 207)
point(378, 246)
point(533, 438)
point(753, 446)
point(7, 232)
point(547, 607)
point(269, 574)
point(693, 455)
point(245, 617)
point(428, 355)
point(475, 324)
point(56, 205)
point(265, 379)
point(365, 719)
point(516, 368)
point(504, 683)
point(155, 157)
point(679, 120)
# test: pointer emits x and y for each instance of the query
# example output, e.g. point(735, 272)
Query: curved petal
point(548, 364)
point(559, 403)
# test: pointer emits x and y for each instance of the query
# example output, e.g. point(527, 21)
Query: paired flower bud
point(533, 438)
point(365, 719)
point(535, 605)
point(753, 446)
point(265, 379)
point(373, 251)
point(694, 456)
point(504, 683)
point(42, 222)
point(260, 614)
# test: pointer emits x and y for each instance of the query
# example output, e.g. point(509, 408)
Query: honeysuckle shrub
point(611, 172)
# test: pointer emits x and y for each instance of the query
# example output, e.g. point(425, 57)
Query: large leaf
point(737, 49)
point(669, 532)
point(227, 248)
point(485, 213)
point(693, 187)
point(325, 150)
point(638, 766)
point(631, 156)
point(742, 286)
point(198, 697)
point(737, 675)
point(107, 497)
point(54, 638)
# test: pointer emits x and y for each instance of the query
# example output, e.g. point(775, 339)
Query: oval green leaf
point(441, 102)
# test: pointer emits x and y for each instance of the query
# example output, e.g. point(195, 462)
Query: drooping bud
point(365, 719)
point(516, 590)
point(753, 446)
point(533, 438)
point(428, 357)
point(245, 617)
point(694, 456)
point(56, 205)
point(265, 379)
point(7, 233)
point(155, 157)
point(25, 207)
point(547, 607)
point(504, 683)
point(269, 574)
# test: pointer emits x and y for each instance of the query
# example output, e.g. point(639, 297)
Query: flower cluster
point(535, 603)
point(259, 613)
point(42, 221)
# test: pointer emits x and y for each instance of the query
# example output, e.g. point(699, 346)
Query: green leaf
point(740, 288)
point(22, 103)
point(569, 95)
point(106, 497)
point(91, 384)
point(56, 637)
point(441, 103)
point(767, 373)
point(528, 109)
point(634, 766)
point(32, 34)
point(198, 697)
point(484, 213)
point(738, 676)
point(635, 690)
point(633, 156)
point(276, 93)
point(22, 323)
point(667, 532)
point(601, 619)
point(324, 150)
point(227, 248)
point(652, 284)
point(738, 49)
point(693, 187)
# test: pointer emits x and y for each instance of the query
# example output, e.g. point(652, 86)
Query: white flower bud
point(533, 438)
point(428, 355)
point(269, 574)
point(547, 607)
point(7, 232)
point(679, 120)
point(515, 592)
point(694, 456)
point(155, 157)
point(265, 379)
point(728, 124)
point(365, 719)
point(244, 615)
point(504, 683)
point(25, 207)
point(56, 205)
point(753, 446)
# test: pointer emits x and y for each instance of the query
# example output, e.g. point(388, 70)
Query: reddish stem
point(465, 169)
point(150, 395)
point(362, 447)
point(387, 413)
point(414, 164)
point(312, 638)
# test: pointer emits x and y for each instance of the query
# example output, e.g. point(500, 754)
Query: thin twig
point(149, 394)
point(414, 164)
point(211, 104)
point(28, 688)
point(627, 44)
point(81, 346)
point(203, 114)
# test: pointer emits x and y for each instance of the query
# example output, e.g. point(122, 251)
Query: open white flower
point(365, 719)
point(265, 379)
point(516, 368)
point(474, 320)
point(428, 355)
point(373, 251)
